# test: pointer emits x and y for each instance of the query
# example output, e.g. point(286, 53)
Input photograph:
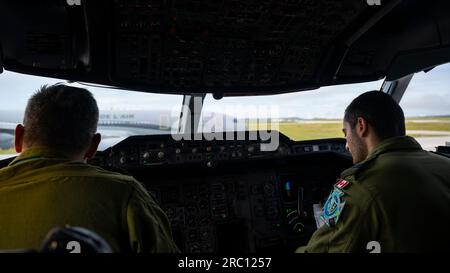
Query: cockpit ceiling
point(224, 47)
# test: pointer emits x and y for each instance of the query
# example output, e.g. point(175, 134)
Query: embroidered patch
point(341, 184)
point(333, 208)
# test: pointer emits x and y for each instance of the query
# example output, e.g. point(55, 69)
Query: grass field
point(428, 126)
point(304, 131)
point(317, 129)
point(7, 152)
point(443, 118)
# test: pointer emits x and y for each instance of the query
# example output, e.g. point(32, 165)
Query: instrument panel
point(143, 151)
point(230, 196)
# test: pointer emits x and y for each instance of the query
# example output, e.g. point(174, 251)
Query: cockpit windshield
point(123, 113)
point(304, 115)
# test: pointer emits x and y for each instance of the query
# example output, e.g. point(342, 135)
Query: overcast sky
point(427, 94)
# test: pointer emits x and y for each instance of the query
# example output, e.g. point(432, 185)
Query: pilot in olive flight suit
point(43, 189)
point(396, 198)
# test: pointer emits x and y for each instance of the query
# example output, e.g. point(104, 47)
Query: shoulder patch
point(333, 207)
point(341, 184)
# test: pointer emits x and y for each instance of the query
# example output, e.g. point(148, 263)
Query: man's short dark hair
point(380, 110)
point(61, 118)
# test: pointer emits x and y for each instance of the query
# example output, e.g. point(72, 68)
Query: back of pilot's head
point(62, 118)
point(380, 111)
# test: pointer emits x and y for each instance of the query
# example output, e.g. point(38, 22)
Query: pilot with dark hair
point(396, 198)
point(50, 184)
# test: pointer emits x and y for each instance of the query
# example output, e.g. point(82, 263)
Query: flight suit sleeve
point(148, 226)
point(356, 227)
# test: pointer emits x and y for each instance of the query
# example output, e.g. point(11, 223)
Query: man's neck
point(372, 143)
point(77, 158)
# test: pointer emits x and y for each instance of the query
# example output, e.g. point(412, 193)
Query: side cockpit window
point(426, 104)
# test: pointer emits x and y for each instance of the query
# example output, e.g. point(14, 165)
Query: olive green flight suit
point(398, 197)
point(41, 190)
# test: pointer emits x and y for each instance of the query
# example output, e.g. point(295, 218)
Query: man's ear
point(18, 137)
point(90, 153)
point(362, 127)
